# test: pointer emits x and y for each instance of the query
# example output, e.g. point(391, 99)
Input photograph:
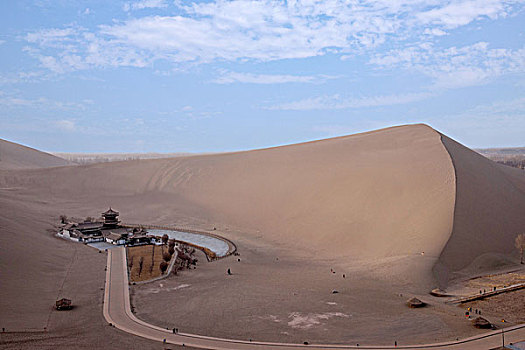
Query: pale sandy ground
point(378, 206)
point(291, 300)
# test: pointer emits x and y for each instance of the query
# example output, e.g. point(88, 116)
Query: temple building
point(110, 219)
point(108, 231)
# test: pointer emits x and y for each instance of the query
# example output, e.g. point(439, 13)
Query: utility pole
point(503, 337)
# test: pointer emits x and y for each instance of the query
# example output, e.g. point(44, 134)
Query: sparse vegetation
point(166, 256)
point(520, 244)
point(141, 264)
point(151, 256)
point(165, 239)
point(63, 219)
point(91, 158)
point(516, 163)
point(514, 157)
point(163, 267)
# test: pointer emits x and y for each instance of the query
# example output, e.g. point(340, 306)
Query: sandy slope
point(369, 203)
point(490, 203)
point(15, 156)
point(374, 195)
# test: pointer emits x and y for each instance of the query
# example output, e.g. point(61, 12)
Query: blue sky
point(200, 76)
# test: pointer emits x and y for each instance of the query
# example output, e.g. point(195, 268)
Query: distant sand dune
point(15, 156)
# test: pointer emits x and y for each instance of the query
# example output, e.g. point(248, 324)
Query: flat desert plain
point(398, 211)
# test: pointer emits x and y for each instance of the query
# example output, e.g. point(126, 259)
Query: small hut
point(480, 322)
point(63, 304)
point(415, 303)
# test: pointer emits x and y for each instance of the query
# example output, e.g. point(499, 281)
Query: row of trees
point(166, 255)
point(516, 163)
point(141, 263)
point(64, 219)
point(520, 244)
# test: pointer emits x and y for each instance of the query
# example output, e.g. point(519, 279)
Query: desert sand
point(400, 211)
point(15, 156)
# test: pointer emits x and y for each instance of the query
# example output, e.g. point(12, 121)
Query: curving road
point(117, 312)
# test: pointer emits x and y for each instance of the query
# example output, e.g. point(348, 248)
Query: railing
point(487, 294)
point(232, 248)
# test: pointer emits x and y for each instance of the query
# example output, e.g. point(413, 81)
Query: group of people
point(469, 310)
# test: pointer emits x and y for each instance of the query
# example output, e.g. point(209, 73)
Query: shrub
point(163, 266)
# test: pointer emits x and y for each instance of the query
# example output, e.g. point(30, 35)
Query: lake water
point(218, 246)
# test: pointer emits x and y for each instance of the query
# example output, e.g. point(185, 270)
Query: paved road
point(117, 312)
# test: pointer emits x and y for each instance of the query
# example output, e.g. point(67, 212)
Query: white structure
point(116, 238)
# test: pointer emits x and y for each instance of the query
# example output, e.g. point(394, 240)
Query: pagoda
point(110, 218)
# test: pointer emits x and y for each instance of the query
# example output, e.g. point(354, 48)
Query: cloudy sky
point(194, 76)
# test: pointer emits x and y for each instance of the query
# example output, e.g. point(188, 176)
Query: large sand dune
point(404, 205)
point(374, 195)
point(15, 156)
point(490, 202)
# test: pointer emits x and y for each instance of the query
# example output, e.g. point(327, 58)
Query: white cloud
point(261, 30)
point(456, 67)
point(79, 49)
point(23, 77)
point(144, 4)
point(515, 107)
point(65, 125)
point(249, 78)
point(434, 32)
point(10, 101)
point(485, 122)
point(338, 102)
point(54, 37)
point(460, 13)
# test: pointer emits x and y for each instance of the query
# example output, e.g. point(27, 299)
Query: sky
point(213, 76)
